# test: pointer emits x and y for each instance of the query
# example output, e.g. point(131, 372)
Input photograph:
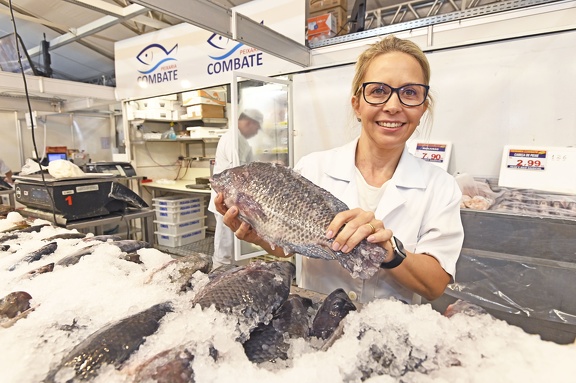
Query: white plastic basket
point(179, 228)
point(179, 216)
point(178, 208)
point(176, 200)
point(171, 240)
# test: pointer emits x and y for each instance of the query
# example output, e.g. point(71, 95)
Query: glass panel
point(269, 100)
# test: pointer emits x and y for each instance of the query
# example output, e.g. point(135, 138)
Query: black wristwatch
point(399, 254)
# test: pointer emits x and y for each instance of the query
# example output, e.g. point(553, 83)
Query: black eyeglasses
point(377, 93)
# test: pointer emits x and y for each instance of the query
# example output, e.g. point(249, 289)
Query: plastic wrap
point(513, 285)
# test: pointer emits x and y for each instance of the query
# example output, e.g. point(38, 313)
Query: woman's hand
point(356, 225)
point(241, 229)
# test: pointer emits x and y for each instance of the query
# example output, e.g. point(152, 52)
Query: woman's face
point(391, 124)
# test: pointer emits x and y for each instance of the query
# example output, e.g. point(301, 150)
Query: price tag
point(437, 153)
point(526, 159)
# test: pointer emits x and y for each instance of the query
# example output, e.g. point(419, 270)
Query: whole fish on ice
point(37, 255)
point(112, 344)
point(334, 308)
point(289, 211)
point(252, 293)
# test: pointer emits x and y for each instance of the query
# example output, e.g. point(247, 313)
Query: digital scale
point(73, 198)
point(120, 169)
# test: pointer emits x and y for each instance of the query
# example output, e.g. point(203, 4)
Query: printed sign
point(436, 153)
point(526, 159)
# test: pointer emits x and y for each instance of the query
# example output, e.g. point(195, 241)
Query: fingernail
point(233, 209)
point(329, 234)
point(345, 249)
point(335, 246)
point(370, 238)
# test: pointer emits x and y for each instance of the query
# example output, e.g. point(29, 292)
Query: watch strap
point(399, 254)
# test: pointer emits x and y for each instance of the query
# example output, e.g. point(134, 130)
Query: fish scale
point(289, 211)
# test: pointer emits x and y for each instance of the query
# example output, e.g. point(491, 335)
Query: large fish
point(252, 293)
point(334, 308)
point(289, 211)
point(37, 255)
point(267, 341)
point(112, 344)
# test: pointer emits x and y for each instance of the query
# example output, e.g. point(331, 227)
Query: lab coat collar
point(408, 175)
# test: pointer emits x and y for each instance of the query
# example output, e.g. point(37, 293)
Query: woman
point(394, 197)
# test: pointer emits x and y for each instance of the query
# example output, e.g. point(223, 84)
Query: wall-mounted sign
point(185, 57)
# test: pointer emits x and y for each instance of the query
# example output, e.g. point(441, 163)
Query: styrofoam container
point(180, 215)
point(179, 228)
point(175, 200)
point(171, 240)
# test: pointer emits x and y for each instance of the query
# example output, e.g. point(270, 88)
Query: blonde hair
point(390, 44)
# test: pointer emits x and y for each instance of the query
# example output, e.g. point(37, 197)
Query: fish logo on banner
point(230, 55)
point(158, 64)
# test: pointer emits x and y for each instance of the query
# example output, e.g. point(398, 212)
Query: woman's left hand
point(356, 225)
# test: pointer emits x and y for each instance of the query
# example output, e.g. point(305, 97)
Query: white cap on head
point(253, 114)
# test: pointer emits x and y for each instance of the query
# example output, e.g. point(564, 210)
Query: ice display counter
point(521, 269)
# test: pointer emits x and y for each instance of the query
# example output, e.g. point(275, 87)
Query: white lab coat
point(225, 153)
point(421, 205)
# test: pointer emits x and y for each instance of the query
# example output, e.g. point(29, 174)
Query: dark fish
point(122, 193)
point(130, 245)
point(103, 238)
point(75, 257)
point(4, 247)
point(267, 341)
point(113, 344)
point(14, 304)
point(185, 268)
point(464, 307)
point(66, 236)
point(170, 366)
point(41, 270)
point(334, 308)
point(289, 211)
point(252, 293)
point(33, 229)
point(132, 257)
point(16, 228)
point(37, 255)
point(8, 237)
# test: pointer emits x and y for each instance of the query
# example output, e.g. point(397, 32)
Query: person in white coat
point(404, 204)
point(5, 170)
point(249, 123)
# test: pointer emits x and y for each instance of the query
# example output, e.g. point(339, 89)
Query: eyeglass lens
point(379, 93)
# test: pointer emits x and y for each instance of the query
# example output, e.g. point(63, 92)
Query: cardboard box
point(211, 97)
point(320, 5)
point(341, 16)
point(205, 111)
point(322, 26)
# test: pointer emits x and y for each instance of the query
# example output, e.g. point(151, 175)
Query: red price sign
point(431, 152)
point(526, 159)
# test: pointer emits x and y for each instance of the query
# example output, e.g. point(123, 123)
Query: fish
point(112, 344)
point(185, 269)
point(33, 228)
point(132, 257)
point(103, 238)
point(65, 236)
point(4, 247)
point(14, 303)
point(41, 270)
point(8, 237)
point(334, 308)
point(130, 245)
point(290, 211)
point(169, 366)
point(267, 341)
point(37, 255)
point(75, 257)
point(251, 293)
point(122, 193)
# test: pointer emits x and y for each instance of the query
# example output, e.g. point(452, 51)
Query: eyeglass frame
point(394, 90)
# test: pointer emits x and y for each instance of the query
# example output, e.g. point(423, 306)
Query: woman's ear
point(356, 107)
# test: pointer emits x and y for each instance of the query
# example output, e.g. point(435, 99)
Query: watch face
point(399, 248)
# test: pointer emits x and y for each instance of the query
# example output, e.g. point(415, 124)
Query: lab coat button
point(352, 295)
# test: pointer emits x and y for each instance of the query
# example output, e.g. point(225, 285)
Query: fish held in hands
point(289, 211)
